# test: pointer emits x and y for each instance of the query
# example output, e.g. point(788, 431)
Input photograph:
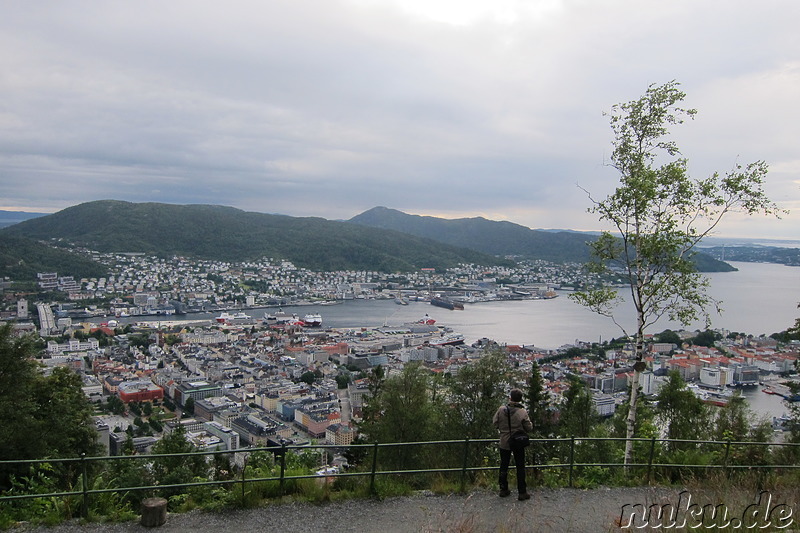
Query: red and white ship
point(427, 320)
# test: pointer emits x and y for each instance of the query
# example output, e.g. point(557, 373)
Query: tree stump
point(154, 512)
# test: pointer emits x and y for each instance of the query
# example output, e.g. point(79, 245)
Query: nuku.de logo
point(686, 514)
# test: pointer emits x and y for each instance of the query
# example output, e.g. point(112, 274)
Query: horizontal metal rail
point(280, 452)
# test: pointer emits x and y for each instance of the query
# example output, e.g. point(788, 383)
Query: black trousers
point(519, 462)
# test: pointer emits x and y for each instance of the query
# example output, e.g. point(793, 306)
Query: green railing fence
point(458, 459)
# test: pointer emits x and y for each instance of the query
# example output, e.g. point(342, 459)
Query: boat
point(280, 317)
point(294, 321)
point(784, 391)
point(227, 317)
point(427, 320)
point(313, 320)
point(718, 398)
point(447, 303)
point(401, 301)
point(449, 339)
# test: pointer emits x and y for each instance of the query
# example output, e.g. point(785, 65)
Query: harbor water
point(759, 298)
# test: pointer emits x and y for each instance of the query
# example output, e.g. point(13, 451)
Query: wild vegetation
point(414, 406)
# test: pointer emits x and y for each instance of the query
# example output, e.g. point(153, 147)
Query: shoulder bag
point(518, 439)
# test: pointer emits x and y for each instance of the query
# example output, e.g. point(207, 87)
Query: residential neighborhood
point(250, 381)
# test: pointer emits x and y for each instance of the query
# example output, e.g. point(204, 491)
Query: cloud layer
point(328, 108)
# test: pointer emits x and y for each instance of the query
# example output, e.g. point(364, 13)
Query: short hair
point(516, 395)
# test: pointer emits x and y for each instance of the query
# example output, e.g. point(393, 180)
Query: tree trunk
point(630, 422)
point(154, 512)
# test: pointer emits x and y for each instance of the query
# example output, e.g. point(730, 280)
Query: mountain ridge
point(379, 239)
point(502, 237)
point(478, 233)
point(230, 234)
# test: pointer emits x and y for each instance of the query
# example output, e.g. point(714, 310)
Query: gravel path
point(549, 510)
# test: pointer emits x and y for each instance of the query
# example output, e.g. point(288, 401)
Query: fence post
point(650, 460)
point(283, 465)
point(244, 469)
point(725, 459)
point(464, 465)
point(374, 467)
point(571, 458)
point(85, 478)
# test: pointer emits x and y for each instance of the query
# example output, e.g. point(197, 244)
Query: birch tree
point(659, 214)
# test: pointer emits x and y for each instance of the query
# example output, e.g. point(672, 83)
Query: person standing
point(509, 419)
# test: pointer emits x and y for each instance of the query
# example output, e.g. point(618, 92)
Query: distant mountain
point(8, 218)
point(500, 238)
point(229, 234)
point(756, 254)
point(488, 236)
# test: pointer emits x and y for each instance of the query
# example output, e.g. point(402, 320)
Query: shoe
point(524, 496)
point(504, 493)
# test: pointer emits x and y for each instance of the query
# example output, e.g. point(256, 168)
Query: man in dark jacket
point(509, 419)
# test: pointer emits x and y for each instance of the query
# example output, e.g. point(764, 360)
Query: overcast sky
point(327, 108)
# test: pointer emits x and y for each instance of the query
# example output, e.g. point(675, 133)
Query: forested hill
point(229, 234)
point(489, 236)
point(22, 258)
point(501, 238)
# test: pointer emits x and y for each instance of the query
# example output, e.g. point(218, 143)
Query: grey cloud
point(256, 104)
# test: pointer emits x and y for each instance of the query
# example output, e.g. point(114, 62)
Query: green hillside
point(22, 258)
point(229, 234)
point(493, 237)
point(500, 238)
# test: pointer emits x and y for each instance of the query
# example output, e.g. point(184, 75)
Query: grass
point(737, 491)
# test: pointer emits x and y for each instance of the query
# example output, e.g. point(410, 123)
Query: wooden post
point(154, 512)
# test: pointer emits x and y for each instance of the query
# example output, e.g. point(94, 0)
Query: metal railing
point(562, 451)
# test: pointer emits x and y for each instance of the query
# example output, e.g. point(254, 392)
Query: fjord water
point(758, 299)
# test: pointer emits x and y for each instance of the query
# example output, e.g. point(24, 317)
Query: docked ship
point(718, 397)
point(280, 317)
point(313, 320)
point(447, 303)
point(285, 319)
point(448, 339)
point(427, 320)
point(782, 390)
point(227, 317)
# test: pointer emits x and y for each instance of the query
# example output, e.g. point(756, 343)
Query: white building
point(604, 404)
point(715, 376)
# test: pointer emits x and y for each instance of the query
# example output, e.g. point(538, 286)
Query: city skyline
point(433, 108)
